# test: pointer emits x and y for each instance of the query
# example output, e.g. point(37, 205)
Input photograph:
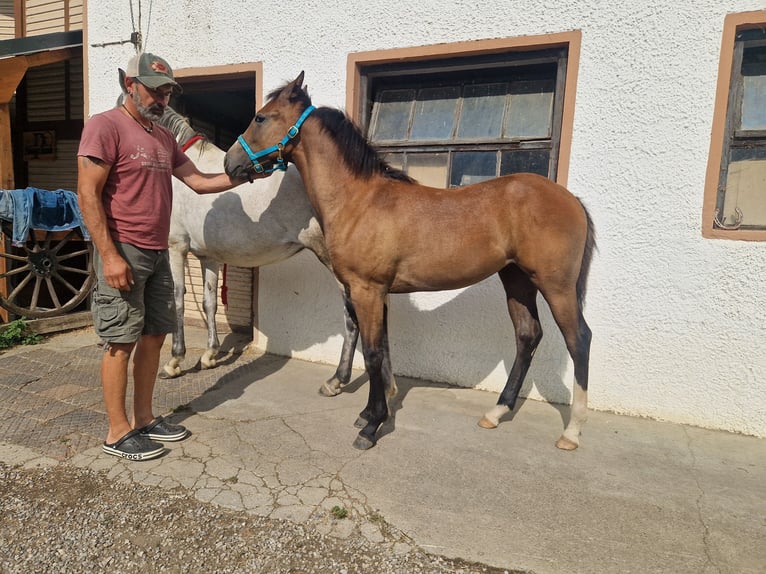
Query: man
point(125, 164)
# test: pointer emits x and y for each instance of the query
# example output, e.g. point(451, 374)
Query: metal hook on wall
point(721, 224)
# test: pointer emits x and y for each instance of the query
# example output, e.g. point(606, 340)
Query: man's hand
point(210, 182)
point(117, 273)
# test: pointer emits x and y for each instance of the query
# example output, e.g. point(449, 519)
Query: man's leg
point(146, 362)
point(159, 319)
point(114, 381)
point(122, 440)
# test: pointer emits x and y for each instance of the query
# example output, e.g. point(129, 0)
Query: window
point(460, 118)
point(218, 101)
point(736, 187)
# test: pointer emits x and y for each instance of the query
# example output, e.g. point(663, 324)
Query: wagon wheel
point(46, 267)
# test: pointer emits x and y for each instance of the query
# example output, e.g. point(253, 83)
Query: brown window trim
point(572, 40)
point(252, 70)
point(732, 24)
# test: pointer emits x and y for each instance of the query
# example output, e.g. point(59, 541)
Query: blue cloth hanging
point(33, 208)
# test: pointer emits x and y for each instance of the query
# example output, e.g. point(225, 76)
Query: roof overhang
point(41, 43)
point(20, 54)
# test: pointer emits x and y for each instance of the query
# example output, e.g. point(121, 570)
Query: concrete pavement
point(637, 496)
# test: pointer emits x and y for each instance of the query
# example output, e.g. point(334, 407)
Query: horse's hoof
point(363, 443)
point(208, 364)
point(565, 443)
point(169, 372)
point(329, 390)
point(360, 423)
point(485, 423)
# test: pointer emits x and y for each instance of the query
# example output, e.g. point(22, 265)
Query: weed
point(17, 333)
point(339, 512)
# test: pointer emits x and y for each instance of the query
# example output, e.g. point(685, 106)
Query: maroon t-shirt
point(138, 194)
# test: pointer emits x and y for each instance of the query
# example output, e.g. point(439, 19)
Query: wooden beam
point(12, 71)
point(6, 182)
point(52, 56)
point(6, 155)
point(20, 16)
point(61, 323)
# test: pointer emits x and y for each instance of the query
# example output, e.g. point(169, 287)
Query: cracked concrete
point(638, 496)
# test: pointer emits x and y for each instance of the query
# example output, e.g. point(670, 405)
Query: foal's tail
point(587, 256)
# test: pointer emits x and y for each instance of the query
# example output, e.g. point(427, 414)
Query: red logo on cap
point(159, 67)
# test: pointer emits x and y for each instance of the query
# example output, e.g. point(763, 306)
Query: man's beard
point(153, 112)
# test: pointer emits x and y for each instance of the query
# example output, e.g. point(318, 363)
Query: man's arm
point(207, 182)
point(91, 177)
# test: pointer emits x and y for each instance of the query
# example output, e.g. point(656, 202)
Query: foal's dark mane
point(354, 147)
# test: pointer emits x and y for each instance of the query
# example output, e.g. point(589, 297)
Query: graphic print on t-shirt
point(160, 161)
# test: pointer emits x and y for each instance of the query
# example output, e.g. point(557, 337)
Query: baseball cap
point(152, 71)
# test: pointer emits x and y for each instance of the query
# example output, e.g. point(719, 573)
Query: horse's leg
point(577, 335)
point(341, 378)
point(370, 308)
point(387, 372)
point(334, 385)
point(522, 307)
point(178, 350)
point(209, 306)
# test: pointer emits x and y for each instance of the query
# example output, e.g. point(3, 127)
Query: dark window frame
point(430, 71)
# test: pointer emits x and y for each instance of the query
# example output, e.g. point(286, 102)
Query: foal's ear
point(294, 88)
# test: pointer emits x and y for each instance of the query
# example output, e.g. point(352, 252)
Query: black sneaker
point(163, 431)
point(134, 446)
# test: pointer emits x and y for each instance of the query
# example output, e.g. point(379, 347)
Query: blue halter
point(280, 164)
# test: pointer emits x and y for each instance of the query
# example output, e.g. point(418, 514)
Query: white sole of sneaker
point(167, 437)
point(135, 456)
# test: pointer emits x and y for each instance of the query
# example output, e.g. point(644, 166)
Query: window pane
point(395, 160)
point(754, 89)
point(530, 111)
point(435, 111)
point(473, 167)
point(391, 114)
point(745, 185)
point(428, 168)
point(482, 113)
point(520, 161)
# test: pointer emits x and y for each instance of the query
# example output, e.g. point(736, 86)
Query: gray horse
point(254, 224)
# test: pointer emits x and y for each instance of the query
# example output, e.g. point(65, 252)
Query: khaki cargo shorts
point(147, 309)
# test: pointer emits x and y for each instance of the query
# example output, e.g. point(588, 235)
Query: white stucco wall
point(678, 320)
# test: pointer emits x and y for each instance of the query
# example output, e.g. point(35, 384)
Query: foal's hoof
point(363, 443)
point(565, 443)
point(360, 423)
point(329, 389)
point(485, 423)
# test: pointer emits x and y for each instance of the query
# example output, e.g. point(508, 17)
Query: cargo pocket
point(110, 315)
